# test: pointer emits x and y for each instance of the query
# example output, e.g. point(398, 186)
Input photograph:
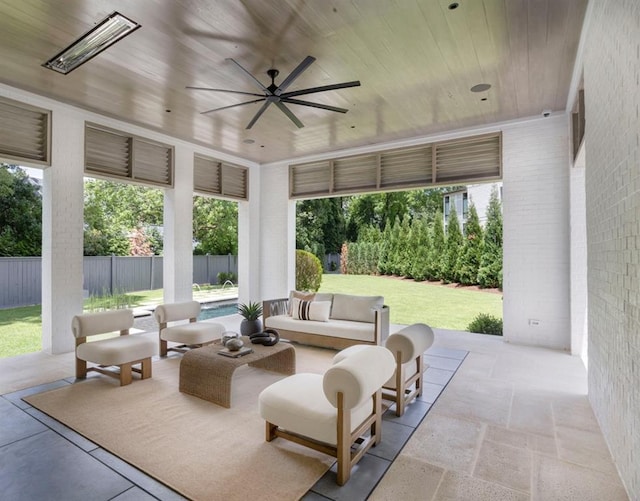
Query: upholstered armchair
point(187, 335)
point(338, 413)
point(121, 351)
point(408, 346)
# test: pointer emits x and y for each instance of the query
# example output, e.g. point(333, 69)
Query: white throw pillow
point(310, 310)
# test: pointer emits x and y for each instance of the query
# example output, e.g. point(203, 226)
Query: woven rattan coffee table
point(206, 374)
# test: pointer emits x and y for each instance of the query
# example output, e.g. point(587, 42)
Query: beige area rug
point(201, 450)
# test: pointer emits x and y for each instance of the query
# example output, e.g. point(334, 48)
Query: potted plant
point(251, 312)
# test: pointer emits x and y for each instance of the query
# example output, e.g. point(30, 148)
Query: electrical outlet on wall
point(533, 322)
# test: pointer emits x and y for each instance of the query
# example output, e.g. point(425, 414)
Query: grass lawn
point(410, 302)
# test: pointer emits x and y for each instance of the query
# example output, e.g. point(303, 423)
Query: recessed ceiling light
point(483, 99)
point(168, 110)
point(248, 141)
point(453, 6)
point(112, 28)
point(480, 87)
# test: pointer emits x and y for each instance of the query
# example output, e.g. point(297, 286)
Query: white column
point(178, 230)
point(62, 233)
point(278, 237)
point(249, 240)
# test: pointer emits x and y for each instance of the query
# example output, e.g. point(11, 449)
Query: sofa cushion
point(302, 295)
point(193, 333)
point(310, 310)
point(359, 331)
point(117, 350)
point(356, 308)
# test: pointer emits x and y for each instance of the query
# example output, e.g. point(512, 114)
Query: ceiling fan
point(276, 93)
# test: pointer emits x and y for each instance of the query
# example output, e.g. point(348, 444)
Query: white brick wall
point(612, 98)
point(278, 235)
point(536, 233)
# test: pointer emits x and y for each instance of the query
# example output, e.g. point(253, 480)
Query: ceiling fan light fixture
point(112, 28)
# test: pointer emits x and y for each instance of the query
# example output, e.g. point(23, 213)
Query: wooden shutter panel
point(406, 167)
point(152, 162)
point(207, 175)
point(310, 179)
point(234, 181)
point(469, 159)
point(355, 173)
point(25, 132)
point(110, 153)
point(107, 153)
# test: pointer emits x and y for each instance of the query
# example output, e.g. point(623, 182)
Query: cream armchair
point(408, 346)
point(332, 413)
point(187, 335)
point(121, 351)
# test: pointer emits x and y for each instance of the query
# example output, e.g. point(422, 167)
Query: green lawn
point(410, 302)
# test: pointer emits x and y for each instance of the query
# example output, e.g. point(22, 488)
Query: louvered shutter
point(25, 132)
point(406, 167)
point(115, 154)
point(310, 179)
point(234, 181)
point(353, 174)
point(152, 162)
point(206, 175)
point(107, 153)
point(468, 160)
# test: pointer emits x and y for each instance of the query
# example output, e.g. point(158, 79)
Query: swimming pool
point(213, 310)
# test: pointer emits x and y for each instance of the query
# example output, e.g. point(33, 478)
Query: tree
point(20, 213)
point(114, 211)
point(469, 259)
point(421, 248)
point(453, 248)
point(320, 226)
point(490, 271)
point(437, 249)
point(215, 226)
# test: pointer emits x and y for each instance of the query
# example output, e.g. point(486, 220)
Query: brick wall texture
point(612, 95)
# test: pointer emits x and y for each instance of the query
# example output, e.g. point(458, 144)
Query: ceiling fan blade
point(314, 105)
point(258, 115)
point(312, 90)
point(253, 79)
point(294, 74)
point(224, 90)
point(233, 106)
point(290, 114)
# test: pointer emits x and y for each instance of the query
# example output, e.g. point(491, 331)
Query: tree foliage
point(320, 226)
point(308, 271)
point(215, 226)
point(20, 213)
point(490, 271)
point(471, 254)
point(453, 248)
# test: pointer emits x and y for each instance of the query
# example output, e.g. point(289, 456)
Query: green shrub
point(308, 271)
point(486, 324)
point(223, 276)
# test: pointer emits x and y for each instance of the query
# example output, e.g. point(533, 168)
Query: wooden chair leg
point(376, 427)
point(146, 368)
point(399, 385)
point(163, 348)
point(271, 431)
point(343, 448)
point(125, 374)
point(81, 368)
point(419, 384)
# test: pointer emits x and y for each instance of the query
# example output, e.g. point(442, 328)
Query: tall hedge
point(469, 259)
point(437, 250)
point(490, 271)
point(453, 248)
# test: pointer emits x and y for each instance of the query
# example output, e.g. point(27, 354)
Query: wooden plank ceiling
point(416, 59)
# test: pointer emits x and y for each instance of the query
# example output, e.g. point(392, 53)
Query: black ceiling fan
point(276, 93)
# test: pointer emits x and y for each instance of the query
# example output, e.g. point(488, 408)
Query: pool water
point(213, 310)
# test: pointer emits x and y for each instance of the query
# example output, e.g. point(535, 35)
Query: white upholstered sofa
point(328, 320)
